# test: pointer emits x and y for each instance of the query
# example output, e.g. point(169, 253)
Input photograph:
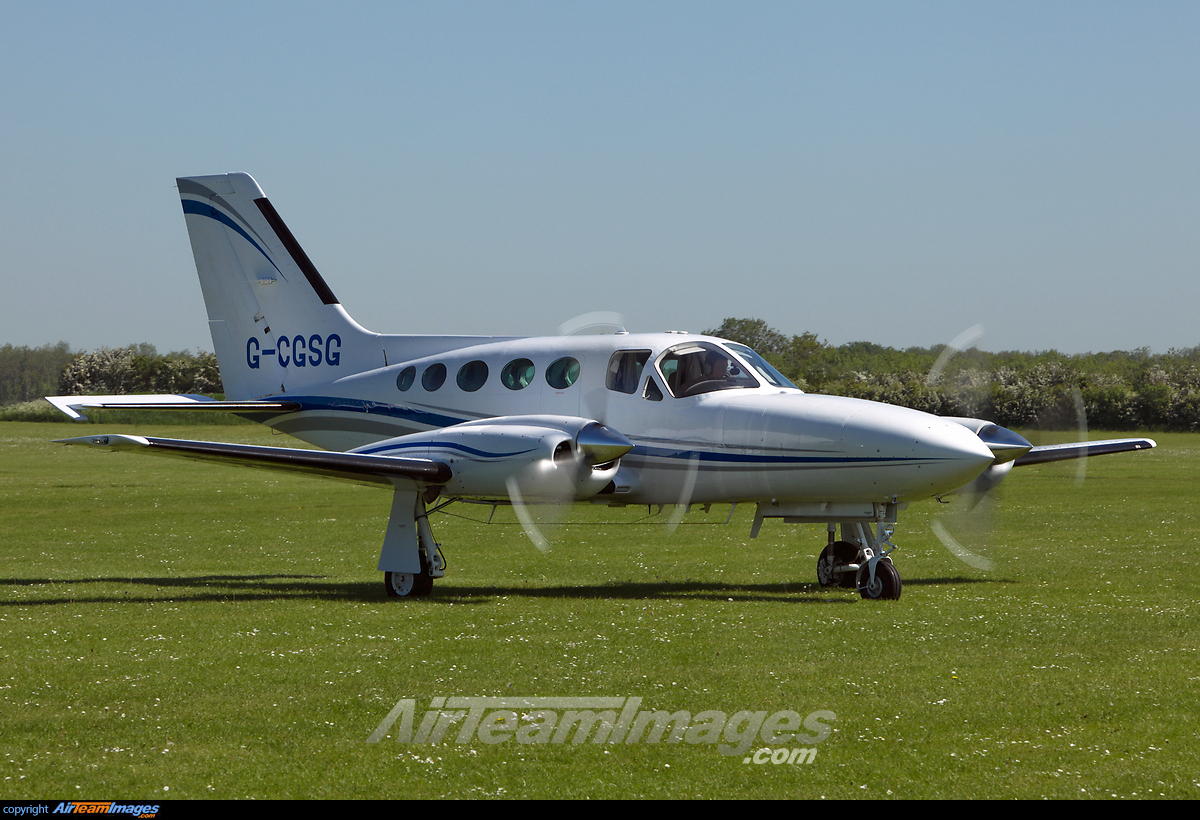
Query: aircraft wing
point(71, 405)
point(1082, 449)
point(552, 457)
point(358, 467)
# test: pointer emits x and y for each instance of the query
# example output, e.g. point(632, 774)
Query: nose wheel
point(860, 561)
point(885, 584)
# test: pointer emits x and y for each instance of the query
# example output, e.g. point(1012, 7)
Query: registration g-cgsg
point(297, 351)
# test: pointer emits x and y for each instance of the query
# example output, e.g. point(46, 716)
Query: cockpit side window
point(700, 367)
point(625, 370)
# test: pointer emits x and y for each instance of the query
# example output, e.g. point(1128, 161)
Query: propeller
point(1081, 426)
point(976, 517)
point(685, 494)
point(576, 468)
point(595, 405)
point(528, 524)
point(1006, 447)
point(596, 323)
point(973, 521)
point(561, 475)
point(957, 344)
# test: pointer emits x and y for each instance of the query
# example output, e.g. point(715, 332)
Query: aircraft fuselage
point(742, 440)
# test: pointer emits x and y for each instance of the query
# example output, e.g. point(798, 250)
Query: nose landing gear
point(860, 559)
point(860, 563)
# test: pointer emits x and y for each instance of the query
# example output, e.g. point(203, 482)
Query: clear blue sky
point(886, 171)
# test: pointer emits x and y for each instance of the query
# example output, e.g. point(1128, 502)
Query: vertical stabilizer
point(276, 326)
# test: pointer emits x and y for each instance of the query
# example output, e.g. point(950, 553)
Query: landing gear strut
point(410, 557)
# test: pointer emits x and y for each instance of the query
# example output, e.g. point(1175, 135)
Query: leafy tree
point(1115, 389)
point(140, 369)
point(30, 373)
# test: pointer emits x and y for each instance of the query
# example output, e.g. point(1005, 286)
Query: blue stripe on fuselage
point(436, 420)
point(373, 408)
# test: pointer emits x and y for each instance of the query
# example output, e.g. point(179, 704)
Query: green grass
point(178, 630)
point(42, 410)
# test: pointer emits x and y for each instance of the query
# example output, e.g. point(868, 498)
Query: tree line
point(28, 374)
point(1120, 390)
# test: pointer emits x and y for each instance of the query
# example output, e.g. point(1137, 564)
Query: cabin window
point(700, 367)
point(472, 375)
point(433, 377)
point(652, 391)
point(625, 370)
point(406, 378)
point(517, 374)
point(562, 373)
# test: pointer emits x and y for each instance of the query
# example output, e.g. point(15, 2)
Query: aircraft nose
point(925, 455)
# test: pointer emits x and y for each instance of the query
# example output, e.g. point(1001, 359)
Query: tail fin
point(276, 326)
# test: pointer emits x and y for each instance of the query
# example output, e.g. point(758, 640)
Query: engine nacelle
point(551, 458)
point(1006, 447)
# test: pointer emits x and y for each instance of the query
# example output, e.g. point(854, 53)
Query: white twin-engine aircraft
point(655, 419)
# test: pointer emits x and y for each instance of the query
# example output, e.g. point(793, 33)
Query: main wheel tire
point(837, 554)
point(887, 581)
point(407, 584)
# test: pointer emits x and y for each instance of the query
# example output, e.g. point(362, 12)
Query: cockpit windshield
point(701, 367)
point(770, 375)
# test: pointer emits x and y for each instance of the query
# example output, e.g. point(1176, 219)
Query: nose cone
point(600, 444)
point(1005, 445)
point(921, 455)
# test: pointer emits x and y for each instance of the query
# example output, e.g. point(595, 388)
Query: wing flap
point(357, 467)
point(1083, 449)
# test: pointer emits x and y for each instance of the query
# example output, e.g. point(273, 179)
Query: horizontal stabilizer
point(1082, 449)
point(357, 467)
point(71, 405)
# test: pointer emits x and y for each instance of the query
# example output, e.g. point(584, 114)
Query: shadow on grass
point(188, 589)
point(644, 590)
point(226, 588)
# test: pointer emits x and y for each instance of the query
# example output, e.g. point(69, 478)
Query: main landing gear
point(416, 584)
point(411, 584)
point(410, 558)
point(860, 563)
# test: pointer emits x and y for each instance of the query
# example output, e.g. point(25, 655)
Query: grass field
point(175, 630)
